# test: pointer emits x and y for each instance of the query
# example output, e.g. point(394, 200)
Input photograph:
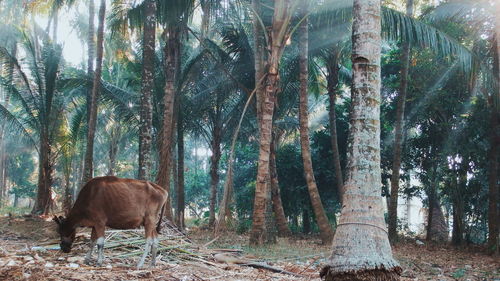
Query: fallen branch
point(222, 258)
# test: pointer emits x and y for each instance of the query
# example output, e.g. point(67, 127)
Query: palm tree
point(88, 169)
point(174, 18)
point(278, 35)
point(398, 132)
point(361, 249)
point(148, 55)
point(321, 218)
point(41, 105)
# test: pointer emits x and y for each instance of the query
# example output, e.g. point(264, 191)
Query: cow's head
point(66, 232)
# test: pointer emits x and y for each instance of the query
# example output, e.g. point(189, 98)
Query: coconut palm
point(41, 104)
point(361, 249)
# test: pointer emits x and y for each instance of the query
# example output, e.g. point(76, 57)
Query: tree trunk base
point(382, 274)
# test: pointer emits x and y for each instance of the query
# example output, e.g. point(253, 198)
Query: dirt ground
point(20, 259)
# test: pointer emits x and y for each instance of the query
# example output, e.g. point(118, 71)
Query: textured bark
point(398, 134)
point(113, 150)
point(279, 213)
point(214, 174)
point(333, 85)
point(148, 68)
point(437, 230)
point(88, 169)
point(172, 64)
point(45, 176)
point(325, 230)
point(180, 173)
point(361, 248)
point(281, 16)
point(458, 230)
point(91, 55)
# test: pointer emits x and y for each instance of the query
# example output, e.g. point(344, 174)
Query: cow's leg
point(93, 238)
point(154, 250)
point(100, 244)
point(149, 227)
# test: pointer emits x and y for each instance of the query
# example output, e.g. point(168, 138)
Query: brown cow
point(116, 203)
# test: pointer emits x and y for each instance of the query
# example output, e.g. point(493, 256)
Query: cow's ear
point(56, 219)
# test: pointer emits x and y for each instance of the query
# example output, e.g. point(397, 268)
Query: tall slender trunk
point(361, 249)
point(180, 173)
point(460, 185)
point(306, 221)
point(279, 213)
point(67, 201)
point(214, 174)
point(172, 56)
point(399, 133)
point(56, 25)
point(278, 37)
point(493, 187)
point(113, 150)
point(148, 67)
point(89, 152)
point(333, 85)
point(91, 55)
point(205, 20)
point(326, 232)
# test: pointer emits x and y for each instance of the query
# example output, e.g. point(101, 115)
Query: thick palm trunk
point(326, 232)
point(437, 230)
point(398, 134)
point(148, 56)
point(172, 64)
point(333, 84)
point(361, 249)
point(279, 213)
point(214, 174)
point(281, 16)
point(89, 152)
point(180, 173)
point(45, 173)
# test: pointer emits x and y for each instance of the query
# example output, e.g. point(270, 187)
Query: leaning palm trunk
point(361, 249)
point(148, 55)
point(89, 152)
point(333, 84)
point(398, 134)
point(278, 36)
point(326, 233)
point(172, 55)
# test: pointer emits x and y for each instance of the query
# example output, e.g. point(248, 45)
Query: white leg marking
point(147, 249)
point(154, 250)
point(100, 250)
point(88, 257)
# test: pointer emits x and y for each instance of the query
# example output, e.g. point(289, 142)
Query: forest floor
point(21, 258)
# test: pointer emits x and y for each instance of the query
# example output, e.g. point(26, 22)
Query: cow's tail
point(158, 225)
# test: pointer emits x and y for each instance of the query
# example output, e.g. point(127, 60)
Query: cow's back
point(118, 203)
